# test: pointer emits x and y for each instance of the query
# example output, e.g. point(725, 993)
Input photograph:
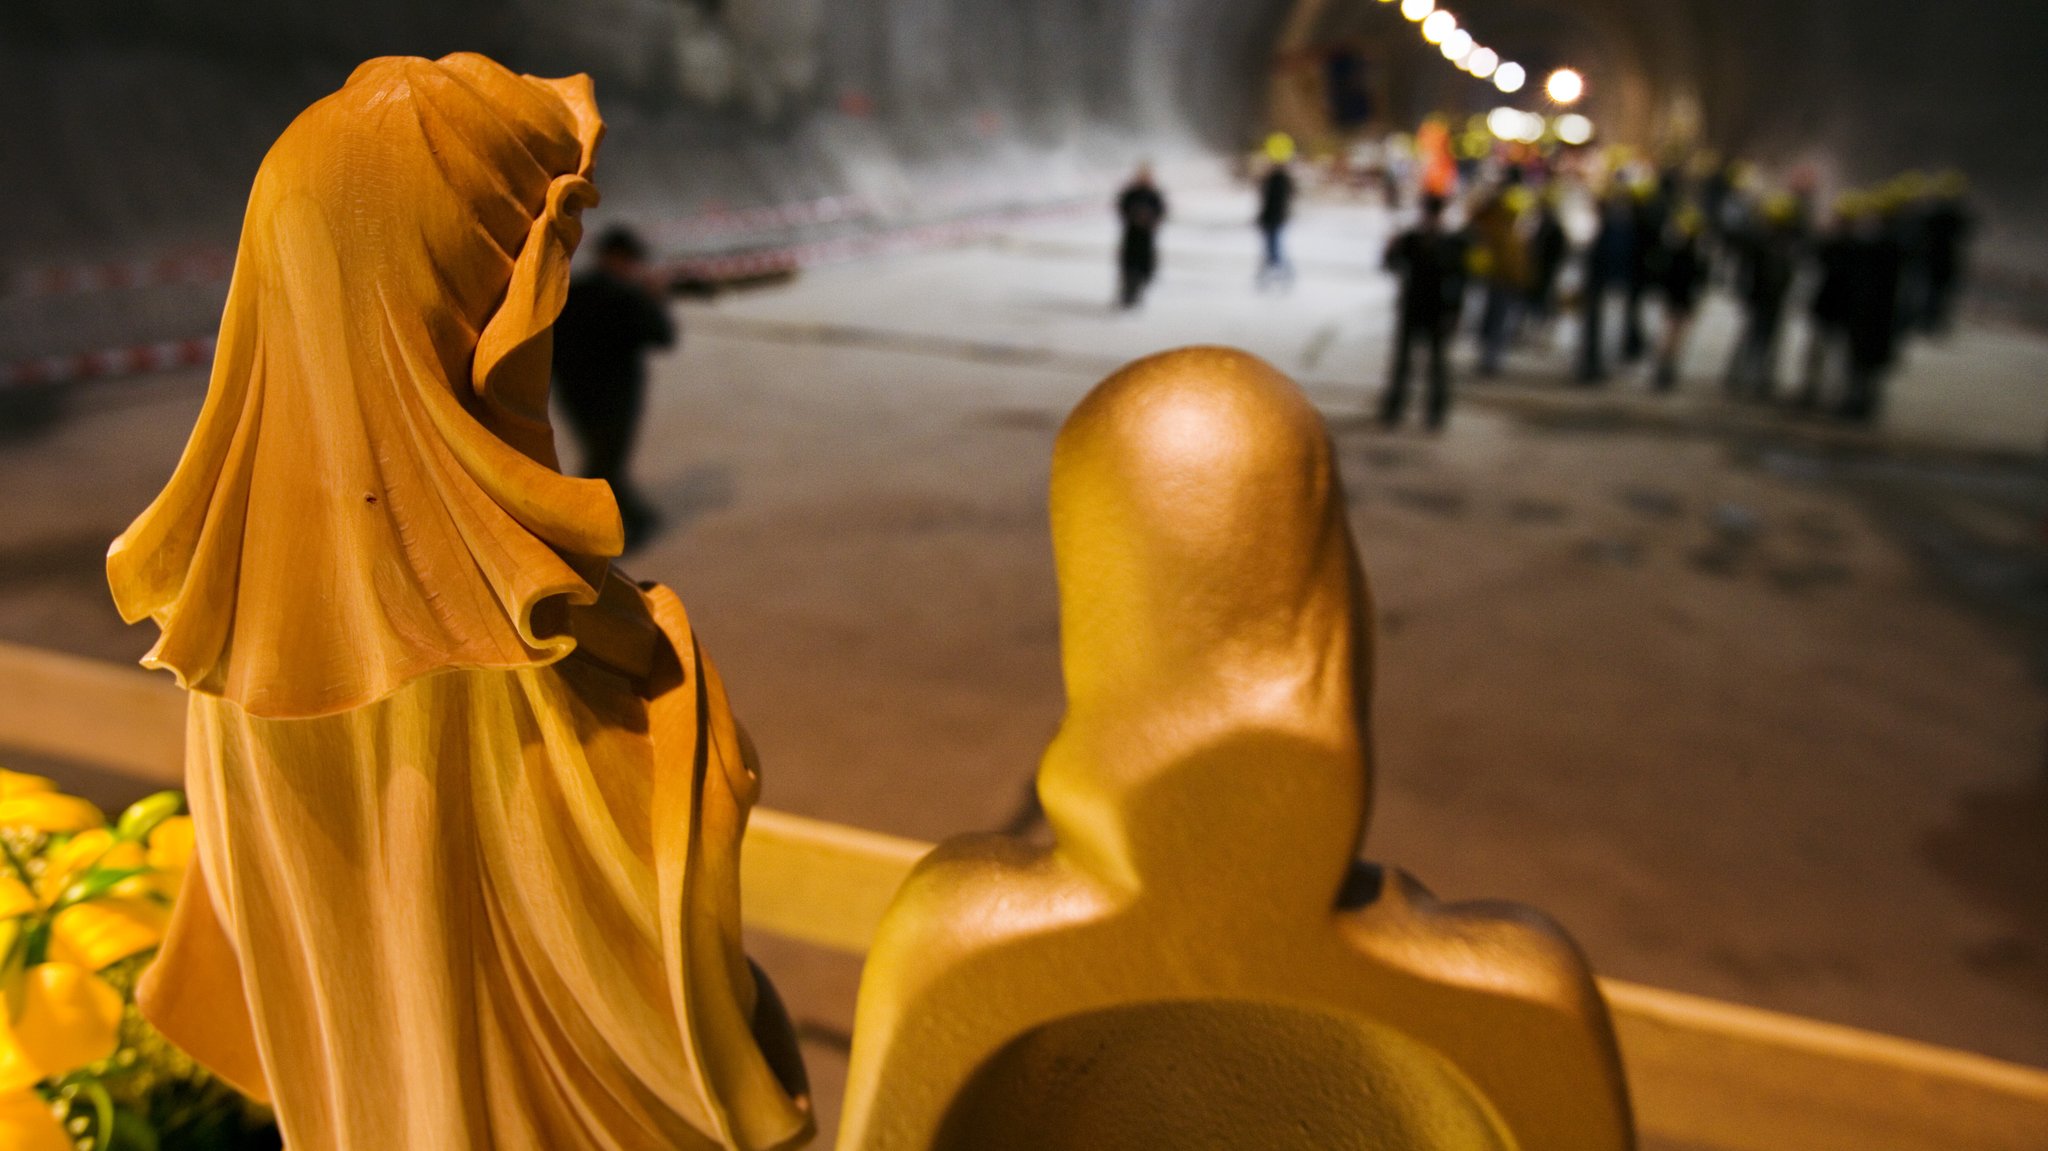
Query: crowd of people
point(1627, 253)
point(1874, 268)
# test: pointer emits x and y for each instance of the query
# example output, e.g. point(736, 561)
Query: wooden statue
point(468, 801)
point(1197, 962)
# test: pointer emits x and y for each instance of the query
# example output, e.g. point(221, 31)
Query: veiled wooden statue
point(1198, 961)
point(468, 801)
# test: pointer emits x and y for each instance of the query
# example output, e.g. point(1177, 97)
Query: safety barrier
point(1709, 1075)
point(726, 267)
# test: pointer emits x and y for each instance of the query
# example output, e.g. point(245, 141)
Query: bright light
point(1565, 85)
point(1482, 62)
point(1457, 46)
point(1509, 77)
point(1514, 124)
point(1573, 128)
point(1417, 9)
point(1439, 25)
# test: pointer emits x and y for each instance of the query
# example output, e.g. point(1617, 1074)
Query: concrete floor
point(1753, 706)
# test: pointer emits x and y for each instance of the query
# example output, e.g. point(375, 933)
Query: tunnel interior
point(145, 120)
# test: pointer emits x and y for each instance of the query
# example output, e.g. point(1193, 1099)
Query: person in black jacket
point(614, 313)
point(1682, 276)
point(1769, 253)
point(1276, 204)
point(1431, 264)
point(1945, 239)
point(1141, 209)
point(1828, 310)
point(1548, 247)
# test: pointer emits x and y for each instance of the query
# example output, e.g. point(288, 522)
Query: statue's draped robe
point(468, 802)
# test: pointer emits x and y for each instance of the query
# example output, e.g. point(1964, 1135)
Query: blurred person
point(1828, 309)
point(1945, 228)
point(1276, 205)
point(1547, 247)
point(1500, 262)
point(1608, 260)
point(1905, 202)
point(1875, 268)
point(1140, 208)
point(1682, 277)
point(1439, 167)
point(1651, 201)
point(1431, 264)
point(1768, 253)
point(613, 315)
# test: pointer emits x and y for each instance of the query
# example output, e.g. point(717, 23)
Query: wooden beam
point(92, 712)
point(1705, 1073)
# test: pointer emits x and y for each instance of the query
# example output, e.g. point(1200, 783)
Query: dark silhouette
point(1876, 266)
point(1141, 208)
point(1502, 267)
point(1768, 254)
point(1548, 246)
point(1828, 310)
point(1276, 204)
point(1944, 237)
point(1681, 278)
point(1608, 262)
point(613, 315)
point(1651, 205)
point(1431, 264)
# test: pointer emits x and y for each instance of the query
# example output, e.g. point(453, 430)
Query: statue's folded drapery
point(468, 802)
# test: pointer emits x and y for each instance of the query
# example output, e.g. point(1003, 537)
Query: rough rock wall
point(136, 124)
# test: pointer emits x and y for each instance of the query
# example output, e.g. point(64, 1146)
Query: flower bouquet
point(83, 908)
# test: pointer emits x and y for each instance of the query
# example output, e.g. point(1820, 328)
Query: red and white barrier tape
point(145, 358)
point(683, 230)
point(76, 279)
point(213, 265)
point(775, 261)
point(108, 364)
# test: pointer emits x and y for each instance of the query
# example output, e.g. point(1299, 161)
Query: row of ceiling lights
point(1439, 27)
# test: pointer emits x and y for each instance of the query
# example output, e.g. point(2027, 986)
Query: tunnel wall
point(135, 124)
point(145, 119)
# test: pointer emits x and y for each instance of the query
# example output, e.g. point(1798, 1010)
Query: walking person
point(1828, 311)
point(1608, 260)
point(1502, 266)
point(613, 315)
point(1650, 202)
point(1769, 255)
point(1683, 276)
point(1547, 248)
point(1945, 235)
point(1276, 205)
point(1876, 261)
point(1431, 265)
point(1140, 208)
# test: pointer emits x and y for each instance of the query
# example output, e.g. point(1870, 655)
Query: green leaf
point(96, 883)
point(143, 815)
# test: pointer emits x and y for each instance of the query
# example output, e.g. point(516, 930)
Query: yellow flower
point(54, 1019)
point(26, 1123)
point(80, 854)
point(15, 897)
point(45, 810)
point(32, 801)
point(170, 853)
point(13, 783)
point(107, 930)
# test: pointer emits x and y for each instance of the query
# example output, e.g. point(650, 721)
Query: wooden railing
point(1703, 1073)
